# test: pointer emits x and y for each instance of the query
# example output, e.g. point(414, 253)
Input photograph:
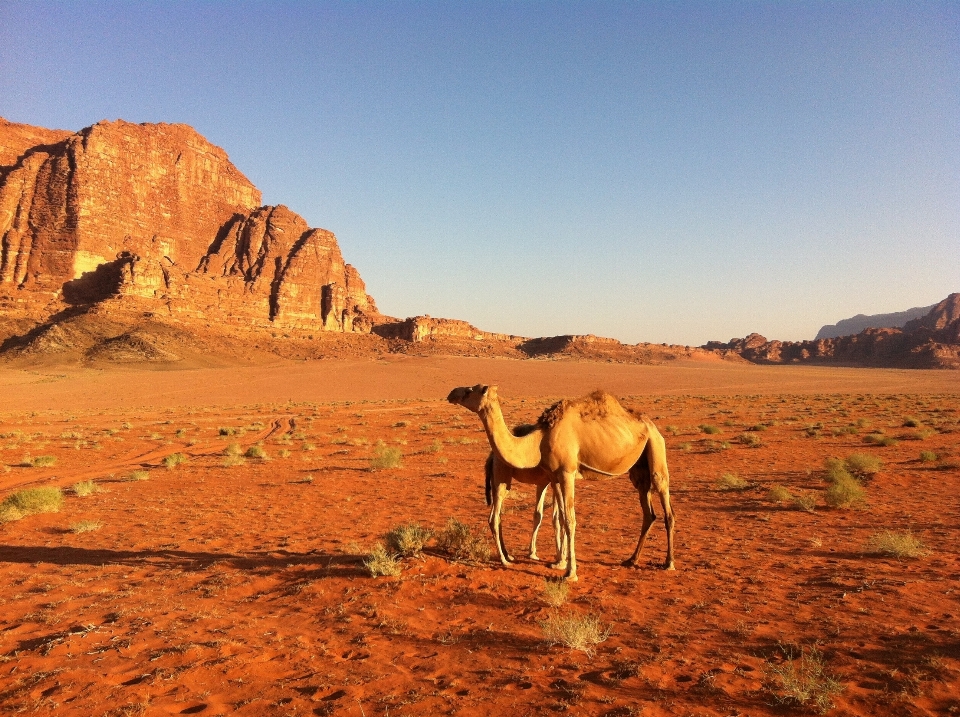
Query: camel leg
point(537, 519)
point(559, 534)
point(662, 486)
point(640, 477)
point(496, 524)
point(569, 516)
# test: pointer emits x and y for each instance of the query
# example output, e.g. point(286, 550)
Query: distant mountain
point(860, 322)
point(930, 341)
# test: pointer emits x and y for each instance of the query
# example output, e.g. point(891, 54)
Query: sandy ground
point(209, 588)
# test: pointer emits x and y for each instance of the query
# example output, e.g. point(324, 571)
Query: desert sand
point(220, 586)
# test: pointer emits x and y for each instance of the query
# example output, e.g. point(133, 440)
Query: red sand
point(210, 589)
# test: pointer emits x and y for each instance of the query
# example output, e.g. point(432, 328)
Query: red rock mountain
point(155, 211)
point(142, 242)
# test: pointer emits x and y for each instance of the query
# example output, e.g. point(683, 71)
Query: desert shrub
point(401, 424)
point(878, 439)
point(461, 542)
point(380, 562)
point(226, 431)
point(38, 462)
point(779, 494)
point(233, 449)
point(434, 447)
point(257, 451)
point(672, 430)
point(85, 526)
point(806, 501)
point(140, 475)
point(803, 681)
point(710, 430)
point(927, 456)
point(30, 501)
point(174, 460)
point(862, 465)
point(385, 457)
point(844, 492)
point(578, 632)
point(555, 592)
point(896, 544)
point(749, 439)
point(85, 488)
point(758, 427)
point(731, 481)
point(911, 422)
point(233, 461)
point(408, 540)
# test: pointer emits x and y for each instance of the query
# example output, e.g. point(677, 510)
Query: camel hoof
point(669, 566)
point(558, 566)
point(571, 578)
point(533, 556)
point(629, 563)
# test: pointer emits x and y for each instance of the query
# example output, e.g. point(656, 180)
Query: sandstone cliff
point(156, 213)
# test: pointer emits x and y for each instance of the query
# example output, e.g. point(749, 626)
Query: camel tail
point(488, 470)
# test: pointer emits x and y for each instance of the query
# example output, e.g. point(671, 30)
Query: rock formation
point(860, 322)
point(157, 213)
point(932, 341)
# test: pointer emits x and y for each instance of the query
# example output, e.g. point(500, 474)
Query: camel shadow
point(328, 564)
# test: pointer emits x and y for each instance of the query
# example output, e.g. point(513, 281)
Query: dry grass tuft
point(802, 681)
point(385, 457)
point(174, 460)
point(555, 591)
point(578, 632)
point(257, 451)
point(30, 501)
point(85, 526)
point(863, 465)
point(139, 475)
point(779, 494)
point(38, 462)
point(461, 542)
point(408, 540)
point(380, 562)
point(85, 488)
point(896, 544)
point(731, 481)
point(806, 501)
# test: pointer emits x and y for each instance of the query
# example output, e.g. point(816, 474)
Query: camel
point(594, 433)
point(500, 476)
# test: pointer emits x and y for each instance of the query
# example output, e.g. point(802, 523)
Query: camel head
point(474, 398)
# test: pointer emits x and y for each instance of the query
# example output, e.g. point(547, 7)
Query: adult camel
point(595, 434)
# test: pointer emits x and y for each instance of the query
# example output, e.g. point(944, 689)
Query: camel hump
point(594, 407)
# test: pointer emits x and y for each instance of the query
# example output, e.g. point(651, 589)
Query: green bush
point(750, 439)
point(257, 451)
point(928, 456)
point(878, 439)
point(710, 430)
point(30, 501)
point(862, 465)
point(779, 494)
point(380, 562)
point(174, 460)
point(844, 492)
point(408, 540)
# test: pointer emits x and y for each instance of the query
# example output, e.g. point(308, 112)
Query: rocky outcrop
point(154, 212)
point(932, 341)
point(423, 328)
point(861, 322)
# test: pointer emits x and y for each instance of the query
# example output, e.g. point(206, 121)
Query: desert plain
point(209, 556)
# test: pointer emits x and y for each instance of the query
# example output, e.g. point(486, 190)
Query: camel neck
point(519, 452)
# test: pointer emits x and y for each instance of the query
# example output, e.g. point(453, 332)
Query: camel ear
point(491, 392)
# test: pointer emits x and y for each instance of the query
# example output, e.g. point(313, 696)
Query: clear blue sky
point(664, 172)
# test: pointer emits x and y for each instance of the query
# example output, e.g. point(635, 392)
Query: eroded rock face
point(156, 212)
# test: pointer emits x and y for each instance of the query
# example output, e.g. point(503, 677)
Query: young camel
point(500, 476)
point(594, 433)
